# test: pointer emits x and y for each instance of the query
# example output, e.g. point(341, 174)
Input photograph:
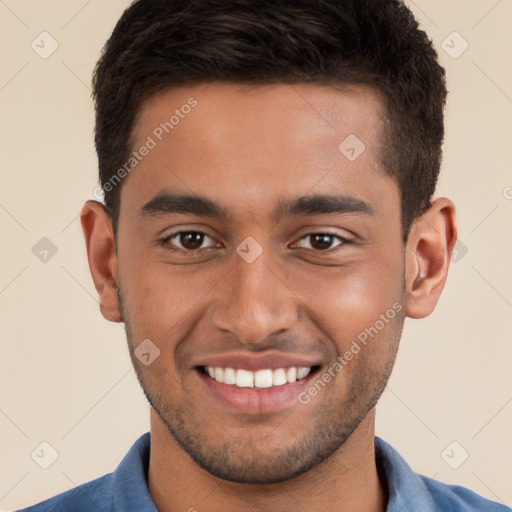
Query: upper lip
point(254, 362)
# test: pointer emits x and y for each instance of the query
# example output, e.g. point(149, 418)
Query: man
point(268, 171)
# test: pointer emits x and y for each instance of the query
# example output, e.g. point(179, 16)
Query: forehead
point(258, 110)
point(229, 141)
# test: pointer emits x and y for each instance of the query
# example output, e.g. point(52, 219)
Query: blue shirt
point(125, 489)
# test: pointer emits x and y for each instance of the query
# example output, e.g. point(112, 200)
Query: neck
point(347, 480)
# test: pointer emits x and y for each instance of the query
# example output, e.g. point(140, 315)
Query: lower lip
point(254, 400)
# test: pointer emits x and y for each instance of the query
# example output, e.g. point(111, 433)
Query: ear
point(429, 250)
point(101, 253)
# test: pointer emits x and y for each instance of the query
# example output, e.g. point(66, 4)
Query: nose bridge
point(252, 302)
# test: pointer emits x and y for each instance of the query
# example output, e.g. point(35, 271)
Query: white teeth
point(265, 378)
point(244, 379)
point(219, 374)
point(302, 372)
point(291, 374)
point(229, 376)
point(279, 377)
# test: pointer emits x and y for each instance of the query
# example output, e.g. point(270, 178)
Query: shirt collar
point(406, 490)
point(130, 479)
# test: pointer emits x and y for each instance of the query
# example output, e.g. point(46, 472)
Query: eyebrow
point(165, 203)
point(324, 205)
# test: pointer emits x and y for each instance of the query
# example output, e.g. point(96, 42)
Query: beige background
point(66, 376)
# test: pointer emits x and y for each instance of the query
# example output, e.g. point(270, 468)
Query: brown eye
point(320, 241)
point(189, 241)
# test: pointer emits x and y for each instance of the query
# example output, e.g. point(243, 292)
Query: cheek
point(162, 301)
point(362, 315)
point(345, 302)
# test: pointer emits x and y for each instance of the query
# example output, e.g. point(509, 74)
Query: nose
point(253, 302)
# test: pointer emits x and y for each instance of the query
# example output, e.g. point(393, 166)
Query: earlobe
point(429, 249)
point(101, 253)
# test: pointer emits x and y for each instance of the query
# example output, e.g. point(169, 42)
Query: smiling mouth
point(260, 379)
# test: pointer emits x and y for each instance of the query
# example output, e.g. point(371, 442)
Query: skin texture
point(249, 150)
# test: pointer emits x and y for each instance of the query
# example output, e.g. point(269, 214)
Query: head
point(280, 215)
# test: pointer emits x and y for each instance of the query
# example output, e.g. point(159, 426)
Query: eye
point(321, 241)
point(189, 241)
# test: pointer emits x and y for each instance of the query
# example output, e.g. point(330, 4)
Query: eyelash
point(166, 240)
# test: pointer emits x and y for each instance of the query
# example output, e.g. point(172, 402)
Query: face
point(260, 250)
